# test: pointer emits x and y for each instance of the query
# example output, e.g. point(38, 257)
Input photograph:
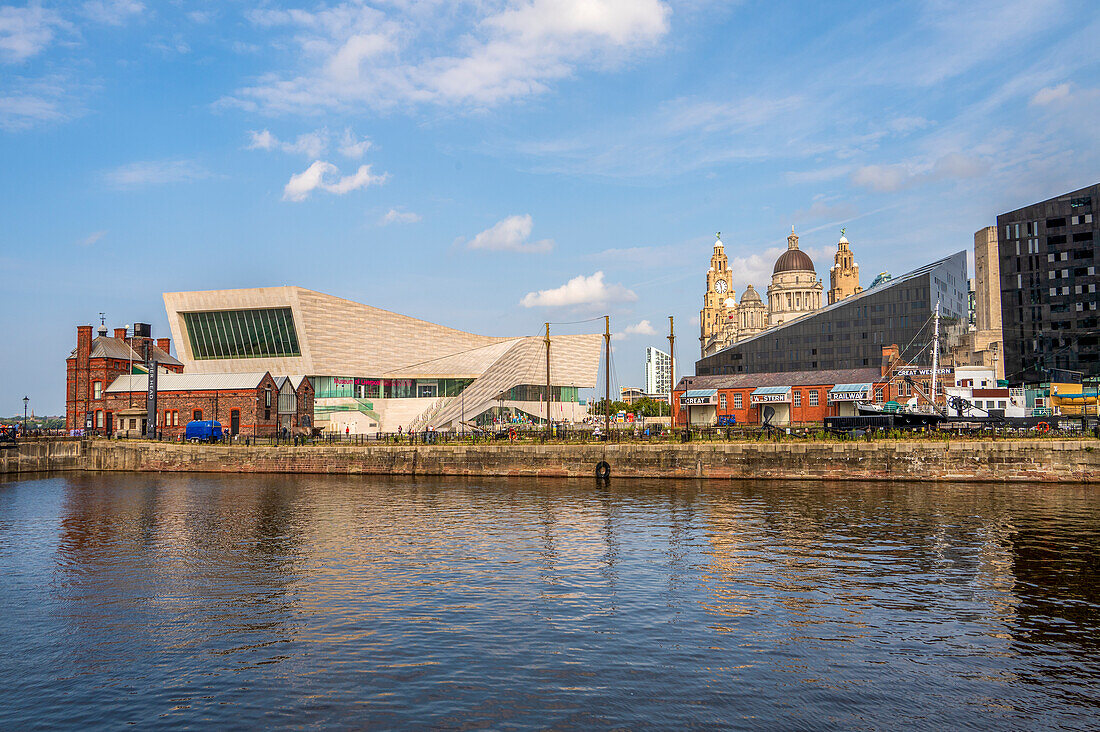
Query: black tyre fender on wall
point(603, 470)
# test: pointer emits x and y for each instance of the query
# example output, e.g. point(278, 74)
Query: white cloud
point(642, 327)
point(155, 172)
point(510, 235)
point(92, 238)
point(326, 177)
point(1050, 94)
point(580, 290)
point(112, 12)
point(890, 178)
point(311, 144)
point(394, 216)
point(882, 178)
point(32, 104)
point(358, 55)
point(25, 32)
point(352, 147)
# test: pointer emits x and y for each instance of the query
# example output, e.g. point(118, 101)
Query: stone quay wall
point(40, 456)
point(1007, 460)
point(1002, 461)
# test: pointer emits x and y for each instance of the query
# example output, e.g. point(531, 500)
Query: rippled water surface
point(248, 601)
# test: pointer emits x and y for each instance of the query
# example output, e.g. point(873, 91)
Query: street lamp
point(25, 400)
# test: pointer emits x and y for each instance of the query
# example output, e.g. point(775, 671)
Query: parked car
point(207, 430)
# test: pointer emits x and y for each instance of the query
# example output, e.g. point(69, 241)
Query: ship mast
point(935, 353)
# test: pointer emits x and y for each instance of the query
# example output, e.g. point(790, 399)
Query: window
point(737, 401)
point(197, 415)
point(722, 402)
point(99, 419)
point(797, 398)
point(813, 397)
point(878, 395)
point(242, 333)
point(97, 390)
point(267, 398)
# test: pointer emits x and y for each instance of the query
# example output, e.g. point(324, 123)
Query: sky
point(495, 164)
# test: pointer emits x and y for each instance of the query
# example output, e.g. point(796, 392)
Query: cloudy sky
point(494, 164)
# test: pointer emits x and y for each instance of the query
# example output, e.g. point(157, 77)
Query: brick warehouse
point(94, 364)
point(798, 397)
point(253, 405)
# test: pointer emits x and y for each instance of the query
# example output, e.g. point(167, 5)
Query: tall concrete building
point(844, 274)
point(658, 371)
point(1047, 258)
point(987, 280)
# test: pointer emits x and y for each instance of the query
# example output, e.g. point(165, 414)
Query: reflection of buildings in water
point(994, 572)
point(1057, 584)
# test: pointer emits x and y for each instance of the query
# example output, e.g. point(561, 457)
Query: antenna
point(103, 319)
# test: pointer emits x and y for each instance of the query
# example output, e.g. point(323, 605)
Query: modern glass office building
point(850, 334)
point(391, 369)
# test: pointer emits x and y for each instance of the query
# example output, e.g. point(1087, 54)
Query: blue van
point(207, 430)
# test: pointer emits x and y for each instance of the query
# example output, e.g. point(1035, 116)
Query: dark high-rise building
point(851, 333)
point(1048, 286)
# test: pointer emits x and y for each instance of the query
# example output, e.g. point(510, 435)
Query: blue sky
point(494, 164)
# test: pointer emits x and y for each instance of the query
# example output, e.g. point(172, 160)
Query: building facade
point(844, 274)
point(982, 345)
point(1048, 281)
point(791, 397)
point(249, 404)
point(851, 333)
point(795, 290)
point(94, 365)
point(375, 370)
point(658, 371)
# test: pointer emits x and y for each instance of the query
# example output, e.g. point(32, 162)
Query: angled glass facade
point(850, 334)
point(264, 333)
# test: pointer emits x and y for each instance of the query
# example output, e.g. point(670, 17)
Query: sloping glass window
point(242, 333)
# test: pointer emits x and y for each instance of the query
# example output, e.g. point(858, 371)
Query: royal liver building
point(795, 290)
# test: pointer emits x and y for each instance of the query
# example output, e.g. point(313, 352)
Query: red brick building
point(253, 405)
point(95, 364)
point(797, 397)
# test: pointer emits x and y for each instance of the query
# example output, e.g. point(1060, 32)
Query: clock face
point(720, 286)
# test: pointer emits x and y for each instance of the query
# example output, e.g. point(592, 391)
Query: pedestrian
point(347, 431)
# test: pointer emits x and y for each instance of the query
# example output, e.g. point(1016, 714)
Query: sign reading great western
point(914, 371)
point(697, 400)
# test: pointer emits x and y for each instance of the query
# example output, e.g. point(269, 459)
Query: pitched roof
point(117, 348)
point(188, 382)
point(781, 378)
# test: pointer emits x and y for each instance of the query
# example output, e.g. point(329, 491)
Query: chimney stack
point(890, 354)
point(165, 344)
point(120, 333)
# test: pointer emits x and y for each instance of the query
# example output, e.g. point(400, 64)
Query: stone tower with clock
point(718, 318)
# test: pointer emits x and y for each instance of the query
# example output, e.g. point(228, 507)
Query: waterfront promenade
point(1004, 460)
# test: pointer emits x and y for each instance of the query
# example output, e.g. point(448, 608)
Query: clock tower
point(718, 318)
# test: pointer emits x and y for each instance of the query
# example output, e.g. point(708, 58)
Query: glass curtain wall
point(242, 333)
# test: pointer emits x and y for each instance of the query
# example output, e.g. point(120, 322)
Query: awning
point(850, 392)
point(770, 394)
point(699, 397)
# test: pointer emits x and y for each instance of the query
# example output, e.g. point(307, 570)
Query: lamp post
point(25, 400)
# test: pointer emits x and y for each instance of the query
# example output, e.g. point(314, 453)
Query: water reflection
point(235, 600)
